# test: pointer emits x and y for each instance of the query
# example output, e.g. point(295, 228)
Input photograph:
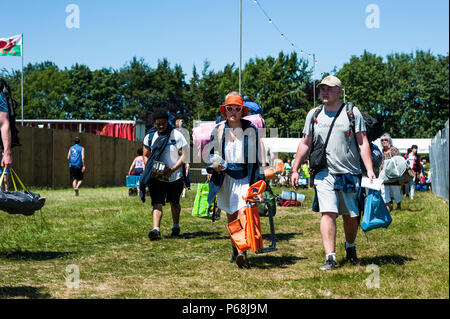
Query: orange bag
point(238, 234)
point(245, 231)
point(279, 166)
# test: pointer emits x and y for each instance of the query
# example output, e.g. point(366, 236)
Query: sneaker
point(154, 234)
point(351, 255)
point(329, 264)
point(76, 192)
point(242, 261)
point(175, 231)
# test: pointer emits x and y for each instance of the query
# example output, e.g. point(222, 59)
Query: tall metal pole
point(314, 78)
point(22, 79)
point(240, 46)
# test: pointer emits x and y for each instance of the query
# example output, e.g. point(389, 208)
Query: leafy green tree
point(44, 89)
point(279, 85)
point(408, 93)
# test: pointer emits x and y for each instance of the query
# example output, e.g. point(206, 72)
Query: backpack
point(253, 107)
point(6, 91)
point(373, 131)
point(373, 126)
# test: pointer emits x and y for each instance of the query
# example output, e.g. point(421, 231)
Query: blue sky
point(188, 32)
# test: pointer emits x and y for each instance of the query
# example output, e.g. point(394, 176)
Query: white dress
point(229, 198)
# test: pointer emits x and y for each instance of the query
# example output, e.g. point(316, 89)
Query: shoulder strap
point(314, 118)
point(151, 133)
point(332, 124)
point(220, 131)
point(351, 116)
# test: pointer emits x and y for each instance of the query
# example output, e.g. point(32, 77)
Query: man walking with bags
point(165, 150)
point(337, 179)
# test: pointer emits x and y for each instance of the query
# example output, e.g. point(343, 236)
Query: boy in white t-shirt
point(169, 187)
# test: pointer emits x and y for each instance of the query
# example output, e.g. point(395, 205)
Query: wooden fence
point(42, 159)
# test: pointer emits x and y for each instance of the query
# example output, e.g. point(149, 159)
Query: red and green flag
point(11, 46)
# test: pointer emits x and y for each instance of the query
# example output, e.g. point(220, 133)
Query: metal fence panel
point(439, 158)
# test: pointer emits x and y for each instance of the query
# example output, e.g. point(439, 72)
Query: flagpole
point(240, 46)
point(22, 79)
point(314, 78)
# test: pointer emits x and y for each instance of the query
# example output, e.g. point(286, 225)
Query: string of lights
point(283, 35)
point(301, 51)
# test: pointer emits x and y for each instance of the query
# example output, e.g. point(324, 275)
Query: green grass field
point(103, 232)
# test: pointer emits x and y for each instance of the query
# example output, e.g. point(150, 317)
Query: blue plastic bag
point(376, 214)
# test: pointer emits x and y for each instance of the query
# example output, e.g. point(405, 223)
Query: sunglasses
point(383, 140)
point(231, 108)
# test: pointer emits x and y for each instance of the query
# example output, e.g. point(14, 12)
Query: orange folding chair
point(246, 231)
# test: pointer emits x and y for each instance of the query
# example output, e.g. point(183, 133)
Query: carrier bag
point(200, 208)
point(376, 214)
point(16, 202)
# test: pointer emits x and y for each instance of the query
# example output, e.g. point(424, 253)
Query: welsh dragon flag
point(11, 46)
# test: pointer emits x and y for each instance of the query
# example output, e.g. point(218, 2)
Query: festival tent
point(402, 144)
point(289, 145)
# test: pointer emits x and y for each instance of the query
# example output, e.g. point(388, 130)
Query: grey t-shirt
point(342, 150)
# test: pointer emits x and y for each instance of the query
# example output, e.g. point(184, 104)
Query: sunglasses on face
point(231, 108)
point(384, 140)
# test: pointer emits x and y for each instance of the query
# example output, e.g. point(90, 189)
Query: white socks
point(157, 228)
point(332, 254)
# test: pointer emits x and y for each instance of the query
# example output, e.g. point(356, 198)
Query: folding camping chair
point(246, 231)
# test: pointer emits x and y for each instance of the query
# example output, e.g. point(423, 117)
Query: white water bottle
point(217, 161)
point(290, 195)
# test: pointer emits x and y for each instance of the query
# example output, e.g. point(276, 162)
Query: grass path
point(104, 233)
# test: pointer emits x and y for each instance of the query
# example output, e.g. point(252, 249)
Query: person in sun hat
point(337, 185)
point(235, 141)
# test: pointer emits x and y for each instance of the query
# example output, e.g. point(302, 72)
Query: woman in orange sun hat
point(235, 143)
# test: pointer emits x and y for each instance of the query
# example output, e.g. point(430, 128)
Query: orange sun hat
point(234, 100)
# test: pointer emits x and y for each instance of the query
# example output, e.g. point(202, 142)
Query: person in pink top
point(137, 167)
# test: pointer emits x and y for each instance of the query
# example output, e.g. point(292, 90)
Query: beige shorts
point(332, 201)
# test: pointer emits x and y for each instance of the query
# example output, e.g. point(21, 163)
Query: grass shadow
point(413, 209)
point(282, 236)
point(211, 235)
point(23, 291)
point(385, 260)
point(34, 255)
point(267, 261)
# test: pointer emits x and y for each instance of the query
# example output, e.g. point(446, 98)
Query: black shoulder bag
point(318, 155)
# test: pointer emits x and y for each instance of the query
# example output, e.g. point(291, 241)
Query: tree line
point(408, 93)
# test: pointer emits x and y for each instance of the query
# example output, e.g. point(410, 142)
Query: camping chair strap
point(18, 179)
point(3, 175)
point(14, 183)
